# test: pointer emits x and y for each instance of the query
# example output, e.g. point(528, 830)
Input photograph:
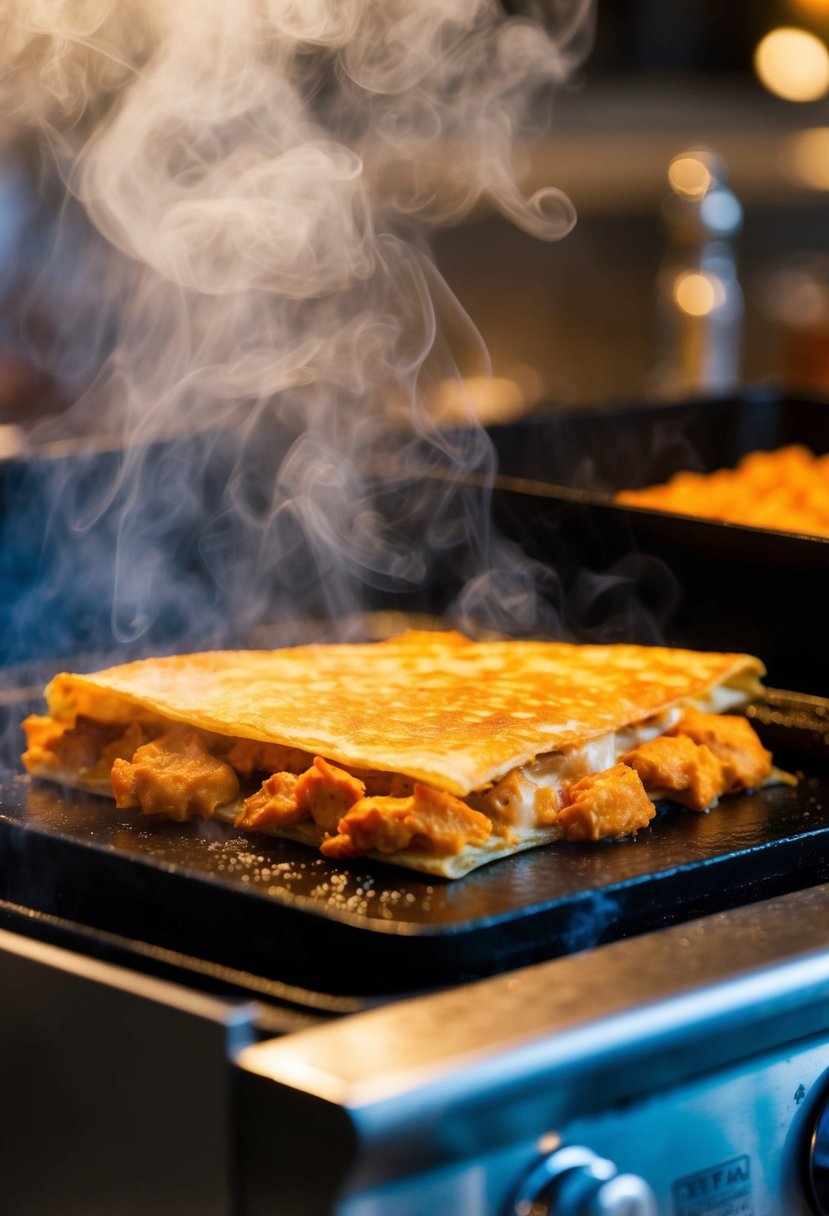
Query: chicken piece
point(74, 748)
point(326, 792)
point(174, 776)
point(612, 803)
point(745, 762)
point(394, 785)
point(546, 807)
point(123, 747)
point(688, 772)
point(429, 821)
point(80, 747)
point(42, 734)
point(86, 749)
point(256, 756)
point(274, 804)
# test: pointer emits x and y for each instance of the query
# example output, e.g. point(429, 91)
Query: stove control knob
point(574, 1181)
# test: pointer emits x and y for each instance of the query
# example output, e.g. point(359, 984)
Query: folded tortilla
point(441, 726)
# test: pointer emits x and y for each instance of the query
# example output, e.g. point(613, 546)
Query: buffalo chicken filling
point(181, 773)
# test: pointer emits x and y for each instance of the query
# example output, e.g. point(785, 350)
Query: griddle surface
point(278, 909)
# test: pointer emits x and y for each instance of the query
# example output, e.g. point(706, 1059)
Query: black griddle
point(274, 910)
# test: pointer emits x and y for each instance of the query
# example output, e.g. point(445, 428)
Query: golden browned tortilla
point(429, 750)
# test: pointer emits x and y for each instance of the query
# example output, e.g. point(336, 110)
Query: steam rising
point(266, 321)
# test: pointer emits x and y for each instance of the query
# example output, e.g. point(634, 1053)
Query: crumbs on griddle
point(387, 902)
point(245, 865)
point(335, 888)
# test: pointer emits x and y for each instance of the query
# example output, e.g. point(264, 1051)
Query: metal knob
point(574, 1181)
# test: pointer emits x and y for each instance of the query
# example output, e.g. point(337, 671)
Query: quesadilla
point(428, 750)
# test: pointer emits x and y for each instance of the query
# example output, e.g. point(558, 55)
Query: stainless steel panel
point(445, 1080)
point(116, 1089)
point(729, 1144)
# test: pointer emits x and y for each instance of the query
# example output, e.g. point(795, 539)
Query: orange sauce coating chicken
point(429, 820)
point(174, 776)
point(687, 772)
point(77, 747)
point(249, 756)
point(786, 490)
point(275, 803)
point(746, 764)
point(327, 792)
point(323, 793)
point(612, 803)
point(702, 757)
point(336, 800)
point(86, 747)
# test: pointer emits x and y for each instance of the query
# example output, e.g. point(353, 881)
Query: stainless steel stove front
point(689, 1067)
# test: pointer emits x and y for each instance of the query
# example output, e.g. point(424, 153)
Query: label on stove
point(721, 1190)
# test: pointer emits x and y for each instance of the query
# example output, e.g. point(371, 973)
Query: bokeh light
point(793, 64)
point(698, 294)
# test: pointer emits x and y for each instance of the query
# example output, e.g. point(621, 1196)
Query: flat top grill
point(275, 909)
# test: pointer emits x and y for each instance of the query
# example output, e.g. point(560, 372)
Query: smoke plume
point(254, 321)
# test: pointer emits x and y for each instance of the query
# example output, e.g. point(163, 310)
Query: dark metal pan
point(664, 577)
point(276, 911)
point(613, 447)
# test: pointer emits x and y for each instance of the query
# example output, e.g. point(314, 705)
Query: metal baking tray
point(638, 574)
point(275, 911)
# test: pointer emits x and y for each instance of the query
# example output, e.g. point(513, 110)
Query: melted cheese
point(720, 700)
point(514, 801)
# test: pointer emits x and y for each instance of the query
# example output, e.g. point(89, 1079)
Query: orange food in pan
point(787, 490)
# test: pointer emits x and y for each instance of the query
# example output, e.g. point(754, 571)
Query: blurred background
point(694, 144)
point(639, 300)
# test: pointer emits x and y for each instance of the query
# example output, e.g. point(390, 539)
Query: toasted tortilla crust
point(444, 710)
